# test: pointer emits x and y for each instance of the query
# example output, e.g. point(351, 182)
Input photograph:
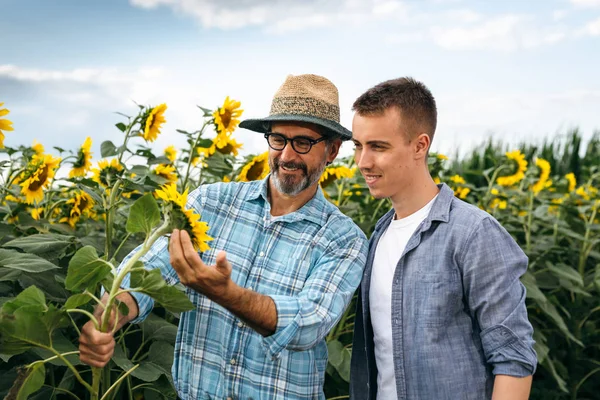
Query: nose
point(363, 159)
point(288, 153)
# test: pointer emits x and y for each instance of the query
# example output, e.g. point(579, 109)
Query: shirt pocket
point(283, 278)
point(438, 296)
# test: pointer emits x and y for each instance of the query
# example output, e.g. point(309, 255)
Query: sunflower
point(166, 171)
point(332, 173)
point(37, 213)
point(225, 144)
point(84, 160)
point(107, 171)
point(226, 118)
point(81, 204)
point(184, 218)
point(460, 191)
point(498, 203)
point(543, 182)
point(171, 153)
point(37, 147)
point(572, 181)
point(518, 176)
point(5, 125)
point(256, 169)
point(37, 176)
point(154, 119)
point(441, 157)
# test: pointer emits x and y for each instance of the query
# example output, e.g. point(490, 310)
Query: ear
point(422, 143)
point(333, 150)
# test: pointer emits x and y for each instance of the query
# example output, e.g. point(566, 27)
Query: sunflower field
point(68, 219)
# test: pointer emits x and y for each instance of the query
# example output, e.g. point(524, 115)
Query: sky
point(511, 70)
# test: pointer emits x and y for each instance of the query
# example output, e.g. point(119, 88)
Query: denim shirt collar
point(440, 211)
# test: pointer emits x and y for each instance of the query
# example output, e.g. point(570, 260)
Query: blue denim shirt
point(458, 308)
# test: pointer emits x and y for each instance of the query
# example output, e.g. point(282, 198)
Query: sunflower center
point(227, 149)
point(42, 177)
point(255, 171)
point(226, 118)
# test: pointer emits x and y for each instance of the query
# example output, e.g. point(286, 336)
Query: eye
point(302, 143)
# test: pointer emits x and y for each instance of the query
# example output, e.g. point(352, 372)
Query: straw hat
point(304, 98)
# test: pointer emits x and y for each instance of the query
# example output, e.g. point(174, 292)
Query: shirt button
point(249, 287)
point(397, 281)
point(240, 324)
point(262, 254)
point(396, 321)
point(232, 361)
point(230, 398)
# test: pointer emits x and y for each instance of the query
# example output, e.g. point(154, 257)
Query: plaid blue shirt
point(309, 262)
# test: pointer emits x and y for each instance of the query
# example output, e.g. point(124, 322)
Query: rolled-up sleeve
point(305, 319)
point(492, 265)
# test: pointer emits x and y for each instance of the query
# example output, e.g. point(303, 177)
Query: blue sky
point(513, 70)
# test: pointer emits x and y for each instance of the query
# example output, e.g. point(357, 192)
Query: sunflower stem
point(116, 289)
point(191, 157)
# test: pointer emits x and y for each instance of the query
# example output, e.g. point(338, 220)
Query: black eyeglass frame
point(312, 142)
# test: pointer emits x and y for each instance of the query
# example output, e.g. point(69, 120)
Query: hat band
point(305, 106)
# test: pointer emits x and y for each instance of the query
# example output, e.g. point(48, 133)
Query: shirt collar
point(315, 210)
point(440, 210)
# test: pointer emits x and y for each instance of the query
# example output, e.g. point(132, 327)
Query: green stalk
point(191, 157)
point(528, 227)
point(583, 255)
point(115, 289)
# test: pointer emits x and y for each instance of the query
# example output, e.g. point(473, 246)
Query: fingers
point(191, 255)
point(177, 258)
point(95, 348)
point(223, 265)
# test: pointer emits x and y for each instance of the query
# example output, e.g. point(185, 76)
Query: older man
point(282, 268)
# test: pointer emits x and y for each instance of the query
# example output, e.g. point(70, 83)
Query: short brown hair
point(411, 97)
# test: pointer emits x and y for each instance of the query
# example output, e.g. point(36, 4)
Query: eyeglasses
point(301, 145)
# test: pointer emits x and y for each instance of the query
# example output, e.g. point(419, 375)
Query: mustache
point(290, 164)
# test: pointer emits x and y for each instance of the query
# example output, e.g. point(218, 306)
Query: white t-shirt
point(387, 254)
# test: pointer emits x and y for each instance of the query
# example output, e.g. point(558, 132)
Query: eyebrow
point(374, 142)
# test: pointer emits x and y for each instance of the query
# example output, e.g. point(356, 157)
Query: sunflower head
point(166, 171)
point(5, 125)
point(174, 204)
point(84, 160)
point(520, 166)
point(225, 144)
point(152, 122)
point(257, 168)
point(570, 177)
point(37, 148)
point(107, 172)
point(171, 153)
point(333, 173)
point(226, 118)
point(543, 181)
point(37, 176)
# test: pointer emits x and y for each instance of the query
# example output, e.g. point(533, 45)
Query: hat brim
point(263, 125)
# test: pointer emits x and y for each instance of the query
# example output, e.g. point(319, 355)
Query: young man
point(283, 266)
point(442, 312)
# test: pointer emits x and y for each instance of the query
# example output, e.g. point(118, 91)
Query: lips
point(371, 179)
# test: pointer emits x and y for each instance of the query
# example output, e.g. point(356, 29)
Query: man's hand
point(213, 281)
point(95, 347)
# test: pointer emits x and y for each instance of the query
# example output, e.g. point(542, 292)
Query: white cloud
point(279, 16)
point(504, 33)
point(592, 28)
point(586, 3)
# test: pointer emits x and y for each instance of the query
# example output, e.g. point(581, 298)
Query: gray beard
point(286, 184)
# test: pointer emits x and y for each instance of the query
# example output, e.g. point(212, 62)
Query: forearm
point(256, 310)
point(511, 387)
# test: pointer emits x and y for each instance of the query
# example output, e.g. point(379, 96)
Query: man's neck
point(282, 204)
point(415, 197)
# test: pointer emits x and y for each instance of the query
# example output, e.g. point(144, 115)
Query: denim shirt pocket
point(438, 296)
